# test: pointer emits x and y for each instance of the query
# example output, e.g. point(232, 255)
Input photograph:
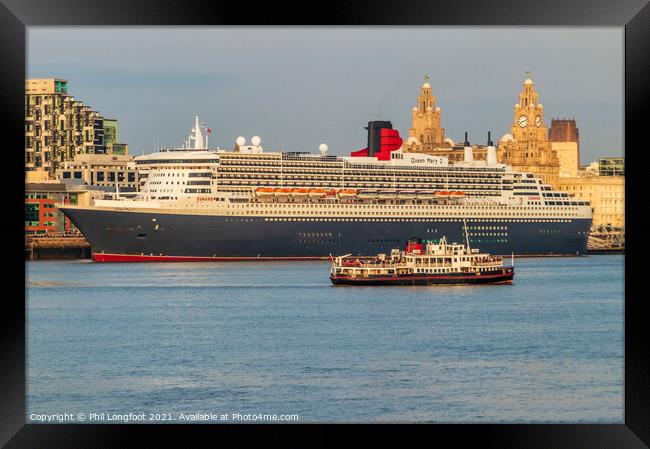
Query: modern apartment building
point(58, 127)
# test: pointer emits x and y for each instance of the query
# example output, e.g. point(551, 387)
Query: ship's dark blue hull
point(208, 236)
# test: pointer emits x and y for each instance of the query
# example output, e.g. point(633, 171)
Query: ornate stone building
point(426, 133)
point(606, 193)
point(526, 148)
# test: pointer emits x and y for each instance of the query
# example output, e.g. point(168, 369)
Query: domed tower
point(528, 149)
point(426, 129)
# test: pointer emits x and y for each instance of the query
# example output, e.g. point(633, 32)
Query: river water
point(275, 338)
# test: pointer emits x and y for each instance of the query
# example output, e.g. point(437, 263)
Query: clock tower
point(527, 148)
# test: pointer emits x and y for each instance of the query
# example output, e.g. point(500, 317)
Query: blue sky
point(297, 87)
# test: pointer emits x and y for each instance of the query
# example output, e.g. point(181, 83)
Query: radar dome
point(540, 106)
point(449, 141)
point(241, 141)
point(322, 148)
point(528, 81)
point(411, 140)
point(438, 109)
point(256, 140)
point(506, 138)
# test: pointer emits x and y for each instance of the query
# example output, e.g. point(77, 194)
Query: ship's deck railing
point(352, 263)
point(388, 264)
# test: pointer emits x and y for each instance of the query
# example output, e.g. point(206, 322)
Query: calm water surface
point(277, 338)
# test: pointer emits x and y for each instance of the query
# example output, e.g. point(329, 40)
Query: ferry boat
point(439, 262)
point(200, 204)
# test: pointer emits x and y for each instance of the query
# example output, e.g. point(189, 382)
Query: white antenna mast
point(466, 236)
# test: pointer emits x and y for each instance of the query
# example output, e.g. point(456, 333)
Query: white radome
point(241, 141)
point(256, 141)
point(540, 106)
point(449, 141)
point(322, 148)
point(506, 138)
point(528, 81)
point(415, 108)
point(517, 106)
point(438, 109)
point(411, 140)
point(426, 86)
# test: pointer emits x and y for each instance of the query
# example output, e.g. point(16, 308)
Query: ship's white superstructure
point(252, 181)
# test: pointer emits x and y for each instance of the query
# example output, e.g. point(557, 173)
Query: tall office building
point(565, 139)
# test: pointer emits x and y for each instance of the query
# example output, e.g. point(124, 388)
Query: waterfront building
point(605, 192)
point(611, 166)
point(102, 170)
point(526, 147)
point(565, 140)
point(41, 214)
point(563, 130)
point(426, 133)
point(58, 127)
point(590, 169)
point(110, 131)
point(111, 138)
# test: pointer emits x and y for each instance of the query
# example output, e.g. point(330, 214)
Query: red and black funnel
point(382, 140)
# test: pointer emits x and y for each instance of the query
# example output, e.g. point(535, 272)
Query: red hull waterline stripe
point(103, 257)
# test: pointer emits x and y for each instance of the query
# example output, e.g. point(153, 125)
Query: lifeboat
point(331, 192)
point(424, 194)
point(317, 193)
point(282, 192)
point(299, 193)
point(367, 194)
point(408, 194)
point(456, 194)
point(442, 194)
point(264, 191)
point(348, 193)
point(387, 194)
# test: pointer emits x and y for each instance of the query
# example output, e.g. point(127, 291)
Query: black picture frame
point(634, 15)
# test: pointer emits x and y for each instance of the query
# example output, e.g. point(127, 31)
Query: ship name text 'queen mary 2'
point(198, 204)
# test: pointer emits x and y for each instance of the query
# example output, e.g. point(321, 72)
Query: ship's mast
point(466, 236)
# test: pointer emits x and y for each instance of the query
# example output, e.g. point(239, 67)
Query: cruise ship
point(200, 204)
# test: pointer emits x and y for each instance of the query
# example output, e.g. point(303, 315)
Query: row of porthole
point(406, 219)
point(489, 240)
